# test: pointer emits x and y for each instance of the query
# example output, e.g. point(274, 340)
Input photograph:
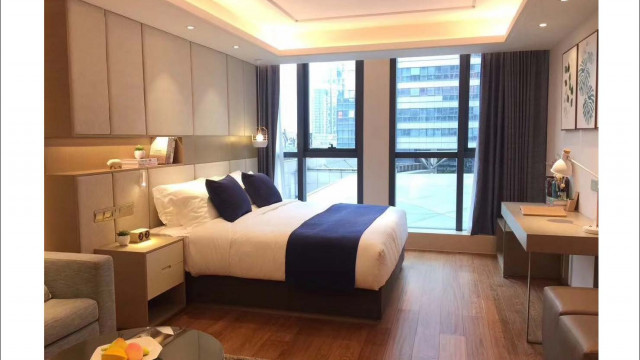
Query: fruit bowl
point(145, 342)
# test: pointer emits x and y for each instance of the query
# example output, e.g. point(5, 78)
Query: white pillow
point(237, 175)
point(184, 204)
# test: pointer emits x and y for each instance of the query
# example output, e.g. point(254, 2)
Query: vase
point(123, 240)
point(139, 154)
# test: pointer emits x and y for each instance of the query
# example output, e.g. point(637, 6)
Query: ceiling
point(287, 31)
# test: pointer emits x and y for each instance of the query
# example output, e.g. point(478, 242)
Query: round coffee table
point(185, 344)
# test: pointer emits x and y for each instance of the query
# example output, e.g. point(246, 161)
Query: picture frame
point(587, 96)
point(569, 89)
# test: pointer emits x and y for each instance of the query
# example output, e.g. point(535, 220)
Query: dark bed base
point(277, 295)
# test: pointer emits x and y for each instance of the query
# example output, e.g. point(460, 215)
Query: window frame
point(463, 150)
point(304, 150)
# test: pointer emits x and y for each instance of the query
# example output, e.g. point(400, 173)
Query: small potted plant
point(123, 238)
point(139, 153)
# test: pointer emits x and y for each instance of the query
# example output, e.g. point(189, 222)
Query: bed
point(243, 263)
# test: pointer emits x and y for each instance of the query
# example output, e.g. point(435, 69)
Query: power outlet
point(594, 185)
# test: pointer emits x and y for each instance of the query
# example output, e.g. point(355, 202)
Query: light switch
point(108, 214)
point(98, 216)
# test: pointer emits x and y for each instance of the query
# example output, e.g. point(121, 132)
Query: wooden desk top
point(556, 235)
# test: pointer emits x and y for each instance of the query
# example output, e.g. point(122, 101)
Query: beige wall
point(376, 132)
point(583, 145)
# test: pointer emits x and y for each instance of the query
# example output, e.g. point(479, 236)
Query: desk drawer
point(165, 269)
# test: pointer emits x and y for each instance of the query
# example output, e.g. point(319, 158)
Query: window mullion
point(463, 133)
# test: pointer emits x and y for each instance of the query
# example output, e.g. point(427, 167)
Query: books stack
point(138, 163)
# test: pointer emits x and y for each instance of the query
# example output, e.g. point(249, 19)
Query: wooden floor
point(445, 306)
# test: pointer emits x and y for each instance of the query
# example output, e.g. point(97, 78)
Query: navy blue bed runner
point(321, 253)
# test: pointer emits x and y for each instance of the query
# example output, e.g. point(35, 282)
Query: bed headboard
point(178, 174)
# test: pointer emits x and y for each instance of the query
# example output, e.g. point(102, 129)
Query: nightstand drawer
point(165, 269)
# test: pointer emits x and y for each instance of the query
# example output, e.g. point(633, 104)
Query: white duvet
point(255, 245)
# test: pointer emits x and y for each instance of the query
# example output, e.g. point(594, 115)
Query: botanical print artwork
point(587, 82)
point(569, 69)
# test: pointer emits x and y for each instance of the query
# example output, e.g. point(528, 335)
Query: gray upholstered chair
point(79, 299)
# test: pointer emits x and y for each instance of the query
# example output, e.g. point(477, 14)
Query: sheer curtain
point(512, 134)
point(278, 173)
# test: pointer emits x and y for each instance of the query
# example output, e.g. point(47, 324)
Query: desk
point(552, 235)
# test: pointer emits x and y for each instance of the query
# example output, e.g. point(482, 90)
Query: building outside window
point(437, 113)
point(328, 153)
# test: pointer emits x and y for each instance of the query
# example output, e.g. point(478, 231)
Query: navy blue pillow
point(261, 189)
point(228, 198)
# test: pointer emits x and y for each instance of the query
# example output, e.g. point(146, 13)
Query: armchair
point(83, 299)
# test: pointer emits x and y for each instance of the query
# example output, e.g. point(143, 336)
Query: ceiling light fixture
point(190, 27)
point(236, 46)
point(543, 25)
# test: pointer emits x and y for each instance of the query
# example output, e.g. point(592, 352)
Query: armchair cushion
point(65, 316)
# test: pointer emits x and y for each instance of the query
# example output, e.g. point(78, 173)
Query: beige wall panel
point(126, 83)
point(376, 132)
point(237, 165)
point(209, 81)
point(167, 83)
point(88, 68)
point(250, 99)
point(251, 165)
point(163, 176)
point(216, 169)
point(57, 118)
point(127, 189)
point(60, 214)
point(94, 192)
point(235, 84)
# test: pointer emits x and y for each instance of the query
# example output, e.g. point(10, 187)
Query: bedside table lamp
point(564, 167)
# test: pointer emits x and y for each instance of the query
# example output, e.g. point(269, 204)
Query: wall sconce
point(261, 138)
point(143, 179)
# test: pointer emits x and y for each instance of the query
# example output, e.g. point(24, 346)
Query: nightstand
point(149, 280)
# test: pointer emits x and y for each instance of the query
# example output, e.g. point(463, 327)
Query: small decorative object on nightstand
point(122, 238)
point(149, 280)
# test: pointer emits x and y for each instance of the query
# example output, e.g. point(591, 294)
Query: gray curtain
point(268, 104)
point(512, 134)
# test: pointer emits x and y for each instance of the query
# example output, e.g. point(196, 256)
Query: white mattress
point(254, 246)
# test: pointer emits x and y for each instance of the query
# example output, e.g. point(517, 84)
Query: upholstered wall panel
point(126, 84)
point(250, 99)
point(216, 169)
point(237, 165)
point(167, 83)
point(251, 165)
point(87, 68)
point(209, 81)
point(94, 192)
point(127, 189)
point(235, 77)
point(162, 176)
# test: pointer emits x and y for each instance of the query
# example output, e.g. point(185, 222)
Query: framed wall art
point(569, 83)
point(587, 99)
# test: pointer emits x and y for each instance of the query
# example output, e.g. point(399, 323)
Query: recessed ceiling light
point(236, 46)
point(564, 0)
point(190, 27)
point(542, 25)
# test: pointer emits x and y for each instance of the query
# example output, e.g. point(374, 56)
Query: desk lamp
point(563, 167)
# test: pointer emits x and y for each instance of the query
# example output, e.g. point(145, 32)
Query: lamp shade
point(261, 138)
point(563, 166)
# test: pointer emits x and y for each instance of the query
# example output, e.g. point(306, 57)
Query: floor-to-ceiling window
point(436, 129)
point(321, 131)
